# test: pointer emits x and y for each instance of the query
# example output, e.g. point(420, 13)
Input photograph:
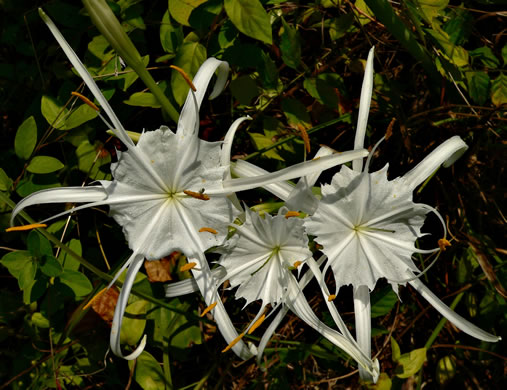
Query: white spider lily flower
point(170, 191)
point(368, 226)
point(259, 260)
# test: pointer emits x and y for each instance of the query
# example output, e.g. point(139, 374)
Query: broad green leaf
point(68, 261)
point(290, 44)
point(362, 6)
point(446, 370)
point(227, 35)
point(32, 183)
point(499, 90)
point(383, 383)
point(326, 88)
point(35, 290)
point(148, 372)
point(296, 113)
point(5, 181)
point(38, 245)
point(456, 54)
point(395, 350)
point(430, 9)
point(134, 322)
point(26, 138)
point(190, 57)
point(91, 158)
point(181, 9)
point(78, 116)
point(245, 89)
point(171, 36)
point(410, 363)
point(250, 18)
point(383, 301)
point(98, 46)
point(261, 141)
point(205, 14)
point(339, 26)
point(39, 320)
point(143, 99)
point(27, 275)
point(131, 76)
point(268, 71)
point(77, 282)
point(478, 86)
point(49, 266)
point(16, 261)
point(53, 111)
point(485, 54)
point(504, 55)
point(44, 164)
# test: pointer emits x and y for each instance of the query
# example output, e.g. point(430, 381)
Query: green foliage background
point(296, 66)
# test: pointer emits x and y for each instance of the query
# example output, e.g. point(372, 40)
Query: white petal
point(450, 314)
point(298, 170)
point(445, 154)
point(364, 109)
point(61, 195)
point(362, 310)
point(119, 311)
point(188, 286)
point(188, 115)
point(225, 157)
point(119, 131)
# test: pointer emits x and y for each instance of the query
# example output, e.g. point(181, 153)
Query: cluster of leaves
point(296, 70)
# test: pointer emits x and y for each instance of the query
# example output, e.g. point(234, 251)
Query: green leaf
point(190, 57)
point(485, 54)
point(339, 26)
point(50, 266)
point(26, 138)
point(383, 383)
point(78, 116)
point(39, 320)
point(44, 164)
point(268, 71)
point(410, 363)
point(91, 158)
point(395, 350)
point(290, 44)
point(431, 9)
point(171, 36)
point(326, 88)
point(148, 372)
point(261, 141)
point(16, 261)
point(143, 99)
point(181, 9)
point(27, 275)
point(53, 111)
point(134, 322)
point(245, 89)
point(77, 282)
point(446, 370)
point(361, 5)
point(204, 15)
point(504, 55)
point(35, 290)
point(478, 86)
point(296, 113)
point(5, 181)
point(68, 261)
point(456, 54)
point(250, 18)
point(32, 183)
point(383, 301)
point(38, 245)
point(499, 90)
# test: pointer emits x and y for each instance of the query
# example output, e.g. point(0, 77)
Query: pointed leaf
point(26, 138)
point(250, 18)
point(290, 44)
point(16, 261)
point(77, 282)
point(44, 164)
point(478, 86)
point(53, 111)
point(181, 9)
point(395, 350)
point(499, 90)
point(383, 301)
point(134, 322)
point(410, 363)
point(148, 373)
point(50, 266)
point(5, 181)
point(190, 57)
point(171, 36)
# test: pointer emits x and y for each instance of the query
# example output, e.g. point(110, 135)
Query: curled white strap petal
point(225, 156)
point(188, 286)
point(188, 117)
point(364, 109)
point(119, 131)
point(450, 314)
point(362, 311)
point(297, 170)
point(61, 195)
point(121, 305)
point(445, 154)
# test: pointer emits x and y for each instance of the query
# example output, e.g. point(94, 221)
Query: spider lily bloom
point(368, 226)
point(259, 259)
point(170, 192)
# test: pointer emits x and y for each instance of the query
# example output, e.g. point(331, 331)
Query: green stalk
point(109, 26)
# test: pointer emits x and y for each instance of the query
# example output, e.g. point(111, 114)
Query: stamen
point(305, 137)
point(257, 323)
point(197, 195)
point(297, 264)
point(187, 267)
point(184, 75)
point(26, 227)
point(233, 342)
point(331, 297)
point(208, 309)
point(443, 243)
point(91, 301)
point(316, 158)
point(85, 100)
point(292, 214)
point(207, 229)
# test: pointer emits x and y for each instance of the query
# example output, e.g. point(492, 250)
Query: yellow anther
point(233, 342)
point(197, 195)
point(185, 76)
point(257, 323)
point(292, 214)
point(330, 298)
point(208, 309)
point(91, 301)
point(85, 100)
point(187, 267)
point(26, 227)
point(297, 264)
point(305, 137)
point(207, 229)
point(316, 158)
point(443, 243)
